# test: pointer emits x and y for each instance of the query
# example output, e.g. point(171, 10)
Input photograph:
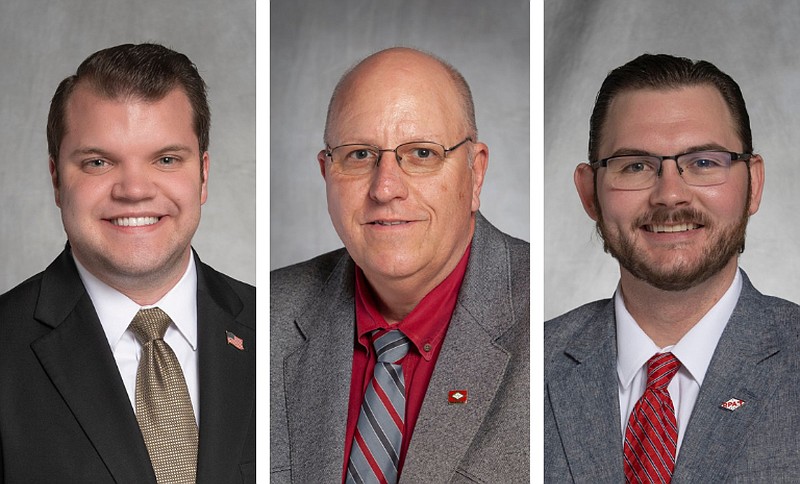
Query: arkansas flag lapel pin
point(732, 404)
point(457, 396)
point(234, 341)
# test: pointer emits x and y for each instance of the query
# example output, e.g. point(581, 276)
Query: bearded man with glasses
point(423, 276)
point(688, 372)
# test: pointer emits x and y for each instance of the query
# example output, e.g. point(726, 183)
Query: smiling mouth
point(134, 221)
point(386, 223)
point(660, 228)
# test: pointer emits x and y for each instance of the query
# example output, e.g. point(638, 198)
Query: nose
point(133, 183)
point(670, 189)
point(388, 179)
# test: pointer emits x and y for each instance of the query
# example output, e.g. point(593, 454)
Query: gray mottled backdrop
point(44, 41)
point(753, 41)
point(314, 42)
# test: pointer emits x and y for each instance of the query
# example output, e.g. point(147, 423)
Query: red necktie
point(652, 434)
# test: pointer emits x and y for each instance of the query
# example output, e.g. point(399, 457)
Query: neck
point(143, 289)
point(666, 316)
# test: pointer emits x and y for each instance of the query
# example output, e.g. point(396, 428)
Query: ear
point(480, 163)
point(756, 182)
point(54, 180)
point(322, 158)
point(206, 160)
point(584, 182)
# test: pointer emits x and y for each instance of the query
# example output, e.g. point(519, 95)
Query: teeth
point(672, 228)
point(380, 222)
point(134, 221)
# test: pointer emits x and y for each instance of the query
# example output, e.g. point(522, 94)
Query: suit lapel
point(583, 388)
point(227, 378)
point(470, 359)
point(79, 362)
point(317, 377)
point(746, 365)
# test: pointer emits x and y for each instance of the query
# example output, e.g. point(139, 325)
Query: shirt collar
point(116, 310)
point(426, 325)
point(694, 350)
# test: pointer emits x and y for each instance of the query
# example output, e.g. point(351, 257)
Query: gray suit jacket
point(486, 351)
point(757, 360)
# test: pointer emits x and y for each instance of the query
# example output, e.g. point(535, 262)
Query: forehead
point(397, 98)
point(128, 123)
point(85, 101)
point(667, 121)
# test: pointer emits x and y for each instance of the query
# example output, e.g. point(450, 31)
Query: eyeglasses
point(414, 158)
point(699, 168)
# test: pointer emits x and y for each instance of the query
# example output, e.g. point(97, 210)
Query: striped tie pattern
point(163, 407)
point(375, 453)
point(652, 433)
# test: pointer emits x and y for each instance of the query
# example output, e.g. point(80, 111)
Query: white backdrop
point(43, 42)
point(753, 41)
point(314, 42)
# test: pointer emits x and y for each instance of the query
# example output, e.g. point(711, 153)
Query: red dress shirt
point(425, 327)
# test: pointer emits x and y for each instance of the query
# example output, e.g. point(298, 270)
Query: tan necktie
point(163, 407)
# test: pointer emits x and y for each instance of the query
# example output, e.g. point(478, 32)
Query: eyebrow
point(691, 149)
point(95, 151)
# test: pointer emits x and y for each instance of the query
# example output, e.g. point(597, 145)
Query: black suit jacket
point(64, 414)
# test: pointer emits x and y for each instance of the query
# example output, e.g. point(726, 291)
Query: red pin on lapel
point(732, 404)
point(457, 396)
point(235, 341)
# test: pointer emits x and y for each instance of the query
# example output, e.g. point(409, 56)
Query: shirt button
point(427, 347)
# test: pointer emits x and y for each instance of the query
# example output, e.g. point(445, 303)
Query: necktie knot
point(391, 346)
point(661, 368)
point(150, 324)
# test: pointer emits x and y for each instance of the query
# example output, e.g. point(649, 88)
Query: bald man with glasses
point(404, 356)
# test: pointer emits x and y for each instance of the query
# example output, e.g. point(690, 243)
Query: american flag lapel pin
point(457, 396)
point(234, 341)
point(732, 404)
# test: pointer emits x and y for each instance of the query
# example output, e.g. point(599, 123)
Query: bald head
point(399, 71)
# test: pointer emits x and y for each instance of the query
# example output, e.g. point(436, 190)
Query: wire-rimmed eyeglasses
point(698, 168)
point(414, 157)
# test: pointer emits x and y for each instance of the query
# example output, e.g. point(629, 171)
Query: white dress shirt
point(116, 311)
point(694, 350)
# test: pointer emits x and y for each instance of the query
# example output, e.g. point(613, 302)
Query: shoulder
point(753, 305)
point(295, 288)
point(245, 291)
point(21, 300)
point(306, 278)
point(498, 256)
point(576, 318)
point(559, 331)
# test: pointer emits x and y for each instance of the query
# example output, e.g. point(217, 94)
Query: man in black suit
point(128, 145)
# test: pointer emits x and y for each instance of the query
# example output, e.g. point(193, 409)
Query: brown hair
point(662, 71)
point(144, 71)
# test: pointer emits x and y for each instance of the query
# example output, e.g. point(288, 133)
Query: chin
point(393, 267)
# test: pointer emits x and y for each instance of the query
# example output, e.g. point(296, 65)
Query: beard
point(725, 243)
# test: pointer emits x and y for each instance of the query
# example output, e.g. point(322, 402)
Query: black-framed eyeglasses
point(698, 168)
point(414, 157)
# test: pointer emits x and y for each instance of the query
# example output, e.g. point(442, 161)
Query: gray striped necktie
point(163, 407)
point(375, 453)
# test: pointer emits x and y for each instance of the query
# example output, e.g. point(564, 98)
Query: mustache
point(671, 216)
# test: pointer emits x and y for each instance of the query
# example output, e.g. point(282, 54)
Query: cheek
point(620, 208)
point(342, 200)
